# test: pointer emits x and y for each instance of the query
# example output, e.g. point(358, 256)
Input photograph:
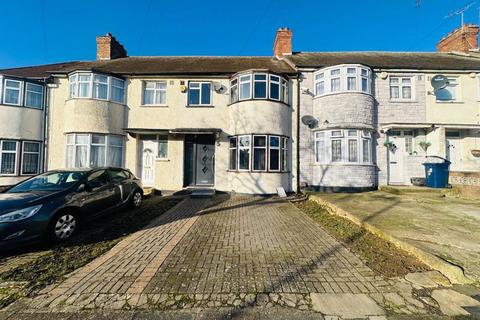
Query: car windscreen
point(50, 181)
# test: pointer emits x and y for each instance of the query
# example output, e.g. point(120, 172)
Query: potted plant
point(475, 153)
point(424, 145)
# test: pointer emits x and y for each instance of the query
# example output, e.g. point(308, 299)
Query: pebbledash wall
point(80, 115)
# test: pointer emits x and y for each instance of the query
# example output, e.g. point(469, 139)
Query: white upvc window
point(12, 92)
point(244, 153)
point(199, 93)
point(8, 157)
point(274, 154)
point(94, 150)
point(343, 146)
point(245, 84)
point(259, 152)
point(260, 86)
point(33, 95)
point(234, 90)
point(342, 78)
point(96, 86)
point(232, 147)
point(100, 87)
point(401, 88)
point(285, 91)
point(162, 152)
point(274, 87)
point(117, 90)
point(449, 93)
point(31, 157)
point(155, 93)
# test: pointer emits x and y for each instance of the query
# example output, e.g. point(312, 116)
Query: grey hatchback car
point(54, 203)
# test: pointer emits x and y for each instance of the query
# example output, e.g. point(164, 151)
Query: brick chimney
point(462, 39)
point(283, 43)
point(109, 48)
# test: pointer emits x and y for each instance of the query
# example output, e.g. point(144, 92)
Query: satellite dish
point(218, 87)
point(309, 121)
point(439, 82)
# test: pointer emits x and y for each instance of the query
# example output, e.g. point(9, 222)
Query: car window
point(98, 179)
point(119, 175)
point(49, 181)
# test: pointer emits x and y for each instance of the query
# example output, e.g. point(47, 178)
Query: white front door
point(395, 160)
point(454, 152)
point(148, 163)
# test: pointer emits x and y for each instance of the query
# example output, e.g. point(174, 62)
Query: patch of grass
point(381, 256)
point(91, 242)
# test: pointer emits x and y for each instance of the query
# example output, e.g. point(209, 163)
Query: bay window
point(8, 157)
point(401, 88)
point(94, 150)
point(199, 93)
point(96, 86)
point(343, 146)
point(259, 86)
point(343, 78)
point(258, 153)
point(30, 157)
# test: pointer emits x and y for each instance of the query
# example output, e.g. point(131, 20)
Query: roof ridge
point(40, 65)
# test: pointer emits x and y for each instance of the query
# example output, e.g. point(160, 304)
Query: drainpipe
point(298, 132)
point(45, 125)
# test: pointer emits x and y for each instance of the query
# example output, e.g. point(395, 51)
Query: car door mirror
point(84, 187)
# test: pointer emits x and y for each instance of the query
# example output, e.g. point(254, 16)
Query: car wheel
point(137, 199)
point(63, 226)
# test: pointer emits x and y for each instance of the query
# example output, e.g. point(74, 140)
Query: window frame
point(74, 85)
point(400, 86)
point(230, 148)
point(326, 77)
point(326, 137)
point(265, 150)
point(155, 92)
point(15, 171)
point(249, 148)
point(200, 95)
point(39, 153)
point(89, 144)
point(20, 89)
point(283, 85)
point(279, 148)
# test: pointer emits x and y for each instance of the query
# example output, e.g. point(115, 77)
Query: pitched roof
point(159, 65)
point(388, 60)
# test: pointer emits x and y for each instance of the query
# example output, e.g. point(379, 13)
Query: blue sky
point(67, 29)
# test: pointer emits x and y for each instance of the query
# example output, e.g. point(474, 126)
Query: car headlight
point(19, 214)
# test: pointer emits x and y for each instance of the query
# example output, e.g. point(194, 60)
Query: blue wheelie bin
point(436, 173)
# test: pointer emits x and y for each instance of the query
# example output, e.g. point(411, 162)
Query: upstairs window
point(449, 93)
point(155, 93)
point(343, 78)
point(199, 93)
point(400, 88)
point(12, 92)
point(259, 86)
point(97, 86)
point(23, 93)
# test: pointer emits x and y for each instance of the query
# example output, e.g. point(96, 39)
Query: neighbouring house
point(362, 119)
point(374, 116)
point(22, 126)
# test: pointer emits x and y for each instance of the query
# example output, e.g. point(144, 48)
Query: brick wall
point(462, 40)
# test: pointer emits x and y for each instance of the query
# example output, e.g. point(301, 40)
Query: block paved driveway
point(222, 252)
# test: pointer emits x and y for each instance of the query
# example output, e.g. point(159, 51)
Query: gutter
point(298, 132)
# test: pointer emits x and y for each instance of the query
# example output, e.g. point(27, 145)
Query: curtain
point(8, 163)
point(97, 156)
point(30, 163)
point(115, 156)
point(81, 160)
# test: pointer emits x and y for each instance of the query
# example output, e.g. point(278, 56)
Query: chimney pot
point(462, 39)
point(109, 48)
point(283, 42)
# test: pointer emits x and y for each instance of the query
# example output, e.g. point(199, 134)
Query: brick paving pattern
point(254, 244)
point(233, 251)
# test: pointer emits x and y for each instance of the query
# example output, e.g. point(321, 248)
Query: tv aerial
point(460, 12)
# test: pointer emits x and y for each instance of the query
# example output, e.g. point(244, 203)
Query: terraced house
point(338, 121)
